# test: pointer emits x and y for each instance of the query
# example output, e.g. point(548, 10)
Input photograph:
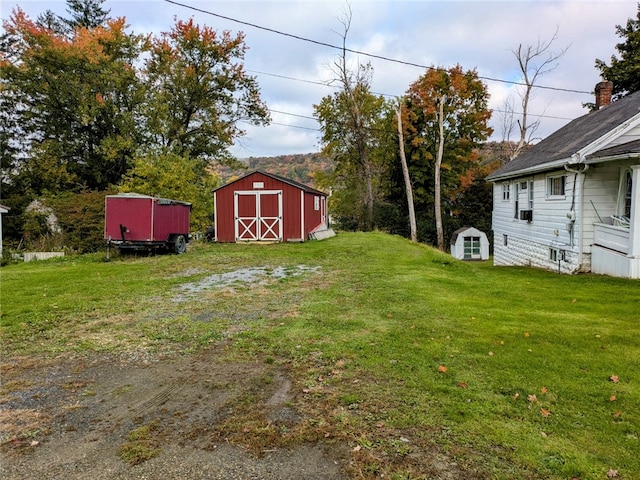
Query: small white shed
point(468, 243)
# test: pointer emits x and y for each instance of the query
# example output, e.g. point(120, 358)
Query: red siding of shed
point(298, 215)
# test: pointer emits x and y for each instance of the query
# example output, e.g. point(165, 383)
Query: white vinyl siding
point(549, 225)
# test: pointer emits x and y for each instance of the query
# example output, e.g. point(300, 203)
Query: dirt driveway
point(77, 418)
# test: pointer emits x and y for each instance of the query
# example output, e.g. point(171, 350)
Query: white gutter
point(611, 158)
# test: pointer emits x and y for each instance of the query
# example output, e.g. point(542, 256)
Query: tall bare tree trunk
point(407, 180)
point(437, 199)
point(533, 62)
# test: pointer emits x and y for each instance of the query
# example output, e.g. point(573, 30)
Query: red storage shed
point(266, 207)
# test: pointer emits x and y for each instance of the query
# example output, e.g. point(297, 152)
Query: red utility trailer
point(141, 222)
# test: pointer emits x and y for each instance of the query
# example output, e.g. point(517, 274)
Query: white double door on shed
point(258, 215)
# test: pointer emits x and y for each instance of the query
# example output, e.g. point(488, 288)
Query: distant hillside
point(298, 167)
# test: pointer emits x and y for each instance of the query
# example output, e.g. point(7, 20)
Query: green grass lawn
point(512, 372)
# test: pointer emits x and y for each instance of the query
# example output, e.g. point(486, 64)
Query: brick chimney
point(604, 90)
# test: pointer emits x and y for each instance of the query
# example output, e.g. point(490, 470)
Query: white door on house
point(258, 215)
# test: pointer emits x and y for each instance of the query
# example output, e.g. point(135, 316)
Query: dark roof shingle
point(574, 136)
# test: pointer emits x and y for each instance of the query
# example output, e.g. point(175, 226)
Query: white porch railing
point(612, 237)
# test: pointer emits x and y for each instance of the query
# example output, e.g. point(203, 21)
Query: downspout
point(580, 169)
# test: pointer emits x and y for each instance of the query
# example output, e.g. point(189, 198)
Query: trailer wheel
point(180, 245)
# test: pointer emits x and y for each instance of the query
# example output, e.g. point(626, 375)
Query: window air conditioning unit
point(526, 215)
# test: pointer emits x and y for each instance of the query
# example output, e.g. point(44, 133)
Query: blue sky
point(475, 34)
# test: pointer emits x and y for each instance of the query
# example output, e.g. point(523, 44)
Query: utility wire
point(358, 52)
point(315, 82)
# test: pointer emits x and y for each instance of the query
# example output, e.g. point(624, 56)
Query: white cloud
point(475, 34)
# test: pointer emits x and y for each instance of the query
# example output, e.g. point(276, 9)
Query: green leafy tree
point(198, 92)
point(358, 144)
point(624, 72)
point(354, 125)
point(169, 175)
point(446, 120)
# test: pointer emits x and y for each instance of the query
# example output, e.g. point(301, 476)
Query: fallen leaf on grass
point(614, 378)
point(544, 390)
point(357, 448)
point(463, 384)
point(612, 398)
point(526, 334)
point(544, 412)
point(612, 473)
point(532, 398)
point(516, 396)
point(617, 414)
point(491, 354)
point(442, 369)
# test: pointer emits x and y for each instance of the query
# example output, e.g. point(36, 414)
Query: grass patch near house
point(394, 348)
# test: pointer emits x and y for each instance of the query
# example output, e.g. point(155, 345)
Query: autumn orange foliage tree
point(86, 105)
point(446, 119)
point(198, 92)
point(71, 97)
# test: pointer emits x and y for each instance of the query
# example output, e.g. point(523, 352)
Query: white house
point(571, 203)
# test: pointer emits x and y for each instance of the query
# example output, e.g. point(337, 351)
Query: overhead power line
point(358, 52)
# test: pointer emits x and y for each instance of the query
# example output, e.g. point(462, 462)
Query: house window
point(505, 192)
point(505, 240)
point(472, 248)
point(316, 203)
point(516, 196)
point(530, 194)
point(553, 254)
point(624, 194)
point(556, 186)
point(627, 194)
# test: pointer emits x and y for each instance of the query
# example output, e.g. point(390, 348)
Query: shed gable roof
point(288, 181)
point(573, 137)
